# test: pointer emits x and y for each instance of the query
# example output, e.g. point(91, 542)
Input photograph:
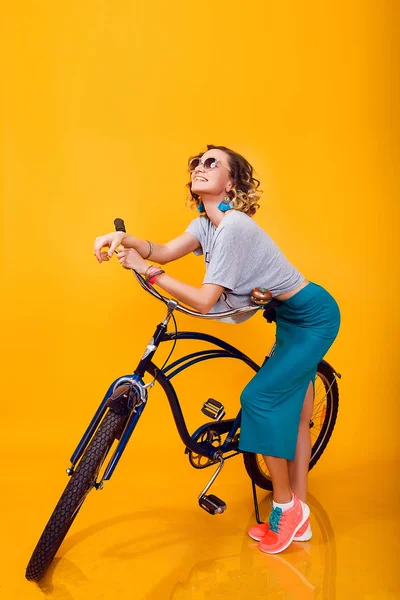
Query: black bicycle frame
point(164, 377)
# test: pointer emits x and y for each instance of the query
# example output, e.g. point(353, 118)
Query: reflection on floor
point(145, 537)
point(307, 570)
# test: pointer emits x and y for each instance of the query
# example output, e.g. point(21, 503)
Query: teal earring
point(200, 207)
point(226, 204)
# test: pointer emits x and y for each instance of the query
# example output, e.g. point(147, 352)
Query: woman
point(239, 255)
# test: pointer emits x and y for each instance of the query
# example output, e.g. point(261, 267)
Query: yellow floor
point(144, 536)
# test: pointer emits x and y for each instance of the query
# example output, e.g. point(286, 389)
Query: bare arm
point(161, 253)
point(201, 299)
point(131, 257)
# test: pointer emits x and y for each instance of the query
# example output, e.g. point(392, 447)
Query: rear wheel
point(81, 482)
point(323, 419)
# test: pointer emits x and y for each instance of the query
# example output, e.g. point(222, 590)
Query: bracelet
point(152, 273)
point(148, 269)
point(155, 276)
point(150, 250)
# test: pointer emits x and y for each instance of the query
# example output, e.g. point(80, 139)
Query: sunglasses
point(208, 164)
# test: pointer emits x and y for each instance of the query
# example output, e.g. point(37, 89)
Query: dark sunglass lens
point(194, 163)
point(210, 163)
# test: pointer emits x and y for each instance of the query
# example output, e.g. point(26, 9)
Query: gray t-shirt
point(239, 255)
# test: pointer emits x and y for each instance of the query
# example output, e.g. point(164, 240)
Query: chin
point(202, 189)
point(198, 189)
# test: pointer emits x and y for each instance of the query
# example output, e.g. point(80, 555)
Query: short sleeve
point(228, 260)
point(196, 229)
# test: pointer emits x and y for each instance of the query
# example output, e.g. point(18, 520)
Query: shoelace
point(274, 519)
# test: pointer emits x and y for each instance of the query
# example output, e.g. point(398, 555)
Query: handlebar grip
point(119, 225)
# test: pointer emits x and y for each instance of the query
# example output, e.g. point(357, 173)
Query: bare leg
point(278, 468)
point(298, 468)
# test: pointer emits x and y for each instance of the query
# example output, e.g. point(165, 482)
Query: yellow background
point(102, 104)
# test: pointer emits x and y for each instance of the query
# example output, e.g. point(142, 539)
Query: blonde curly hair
point(244, 193)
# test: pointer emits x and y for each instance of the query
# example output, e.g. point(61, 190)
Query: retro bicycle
point(211, 444)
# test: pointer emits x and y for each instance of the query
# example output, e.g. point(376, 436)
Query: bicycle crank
point(211, 503)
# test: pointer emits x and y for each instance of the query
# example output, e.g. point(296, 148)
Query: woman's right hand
point(111, 241)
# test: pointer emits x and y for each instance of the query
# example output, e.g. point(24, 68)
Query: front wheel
point(81, 482)
point(323, 419)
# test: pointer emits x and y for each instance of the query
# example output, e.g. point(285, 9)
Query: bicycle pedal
point(212, 504)
point(213, 409)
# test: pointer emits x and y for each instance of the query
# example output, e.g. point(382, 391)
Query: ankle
point(283, 497)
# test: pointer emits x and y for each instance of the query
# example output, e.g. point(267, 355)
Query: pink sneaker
point(283, 527)
point(259, 531)
point(304, 533)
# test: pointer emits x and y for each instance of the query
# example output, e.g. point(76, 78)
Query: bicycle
point(211, 444)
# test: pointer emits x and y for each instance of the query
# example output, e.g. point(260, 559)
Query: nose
point(199, 168)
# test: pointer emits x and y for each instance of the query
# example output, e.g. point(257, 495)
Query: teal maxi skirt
point(306, 326)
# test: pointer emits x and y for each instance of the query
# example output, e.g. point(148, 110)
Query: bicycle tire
point(79, 485)
point(253, 462)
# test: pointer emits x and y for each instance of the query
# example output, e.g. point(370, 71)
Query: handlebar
point(120, 226)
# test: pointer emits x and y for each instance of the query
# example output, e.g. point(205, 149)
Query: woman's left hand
point(129, 258)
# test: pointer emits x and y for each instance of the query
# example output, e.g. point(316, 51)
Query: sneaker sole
point(256, 539)
point(302, 538)
point(305, 517)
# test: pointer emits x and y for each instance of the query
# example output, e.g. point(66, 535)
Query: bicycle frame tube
point(227, 351)
point(205, 337)
point(235, 425)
